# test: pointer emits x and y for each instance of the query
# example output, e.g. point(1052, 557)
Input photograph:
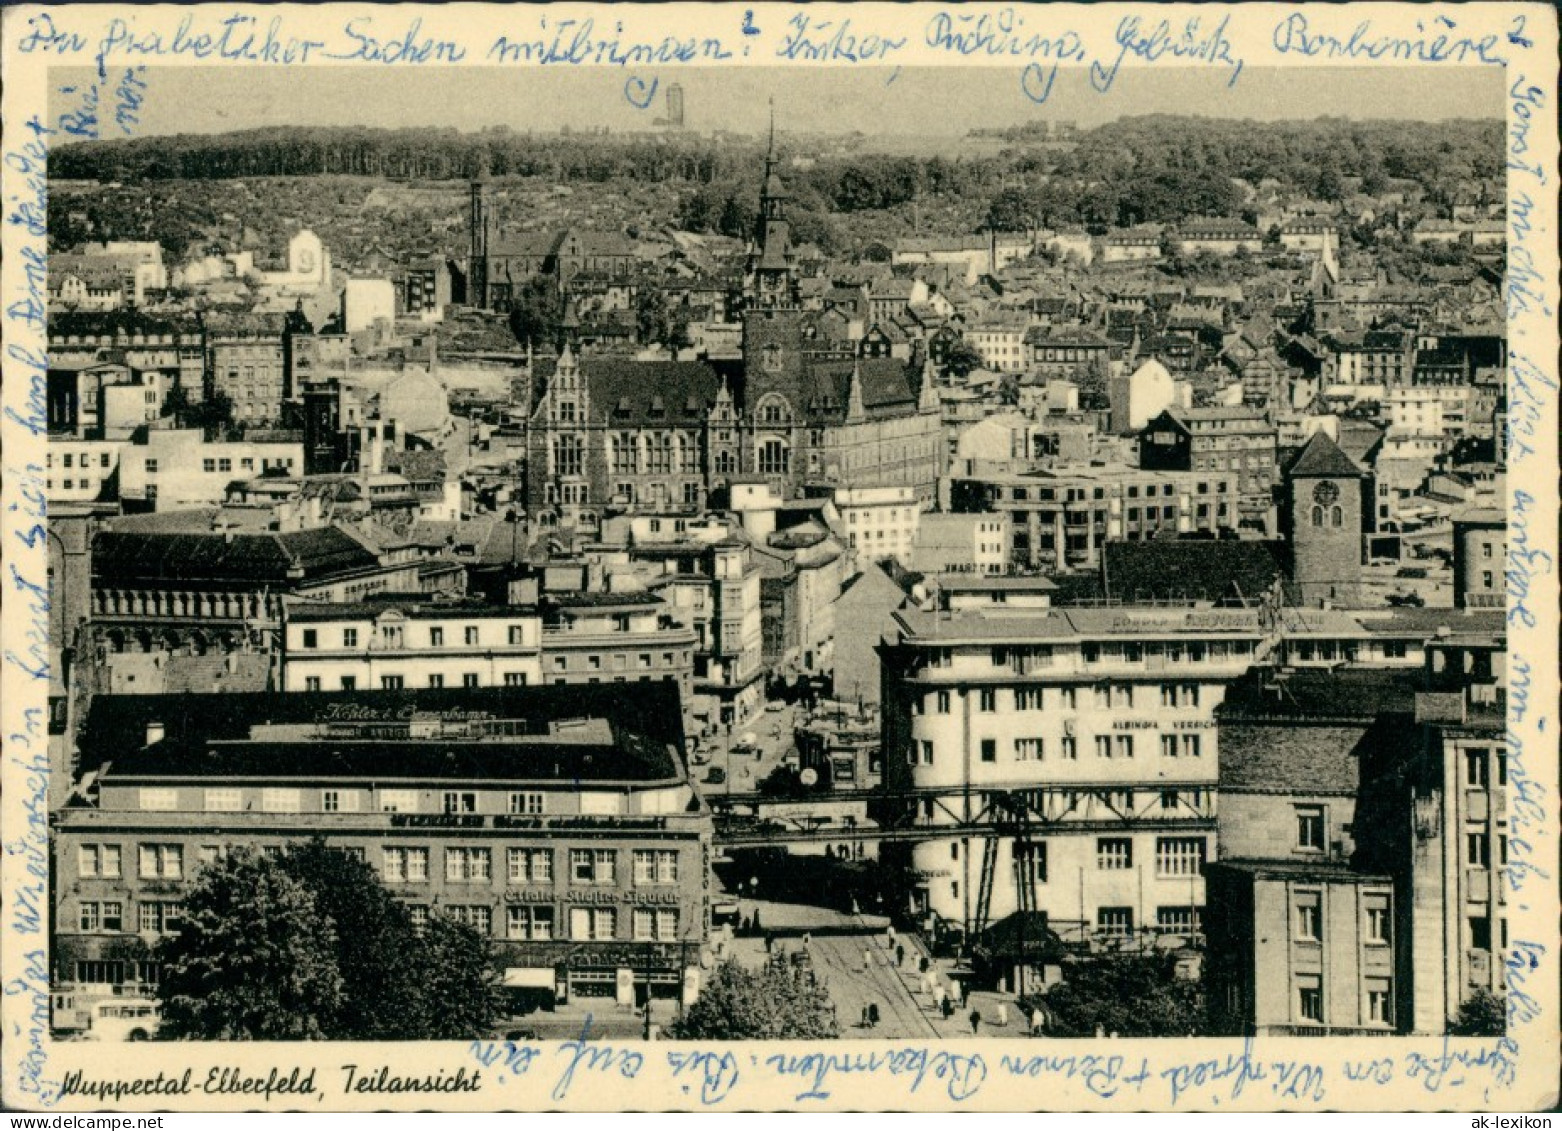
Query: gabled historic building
point(607, 432)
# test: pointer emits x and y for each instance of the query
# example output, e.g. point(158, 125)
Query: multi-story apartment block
point(1439, 825)
point(1093, 728)
point(880, 522)
point(246, 361)
point(560, 823)
point(392, 645)
point(1000, 339)
point(1300, 939)
point(1429, 410)
point(596, 637)
point(1237, 441)
point(1061, 517)
point(714, 589)
point(1363, 833)
point(179, 468)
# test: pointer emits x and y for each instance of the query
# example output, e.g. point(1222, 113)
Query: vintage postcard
point(819, 557)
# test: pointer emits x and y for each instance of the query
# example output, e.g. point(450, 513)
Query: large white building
point(1091, 729)
point(880, 522)
point(403, 645)
point(179, 468)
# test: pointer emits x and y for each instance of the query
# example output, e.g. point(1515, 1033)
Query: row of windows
point(435, 679)
point(1123, 801)
point(586, 924)
point(617, 661)
point(152, 916)
point(1113, 652)
point(528, 923)
point(229, 799)
point(587, 866)
point(1175, 856)
point(1102, 696)
point(471, 636)
point(1307, 911)
point(1035, 749)
point(85, 458)
point(410, 864)
point(1310, 1007)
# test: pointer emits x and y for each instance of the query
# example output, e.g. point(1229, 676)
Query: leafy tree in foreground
point(1130, 995)
point(783, 1000)
point(311, 945)
point(378, 953)
point(1482, 1015)
point(254, 960)
point(457, 988)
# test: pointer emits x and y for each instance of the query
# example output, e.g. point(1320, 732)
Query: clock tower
point(1323, 523)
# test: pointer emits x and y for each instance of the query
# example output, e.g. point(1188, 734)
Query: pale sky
point(937, 101)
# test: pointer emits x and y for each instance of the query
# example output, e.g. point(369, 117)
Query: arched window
point(566, 455)
point(1336, 516)
point(775, 458)
point(774, 410)
point(1317, 516)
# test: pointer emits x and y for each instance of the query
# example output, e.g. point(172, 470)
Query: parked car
point(124, 1019)
point(716, 775)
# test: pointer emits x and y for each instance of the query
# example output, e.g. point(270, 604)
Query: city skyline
point(904, 102)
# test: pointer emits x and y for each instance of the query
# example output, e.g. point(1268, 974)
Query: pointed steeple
point(773, 277)
point(855, 409)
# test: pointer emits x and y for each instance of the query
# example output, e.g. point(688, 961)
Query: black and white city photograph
point(712, 554)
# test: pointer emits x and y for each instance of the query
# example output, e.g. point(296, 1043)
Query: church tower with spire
point(774, 378)
point(772, 269)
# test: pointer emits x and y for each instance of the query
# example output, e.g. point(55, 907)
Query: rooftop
point(629, 733)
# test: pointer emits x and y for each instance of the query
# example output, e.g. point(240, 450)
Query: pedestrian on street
point(890, 934)
point(770, 942)
point(1035, 1021)
point(948, 1007)
point(864, 1017)
point(867, 958)
point(873, 1015)
point(1003, 1015)
point(976, 1022)
point(924, 964)
point(900, 955)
